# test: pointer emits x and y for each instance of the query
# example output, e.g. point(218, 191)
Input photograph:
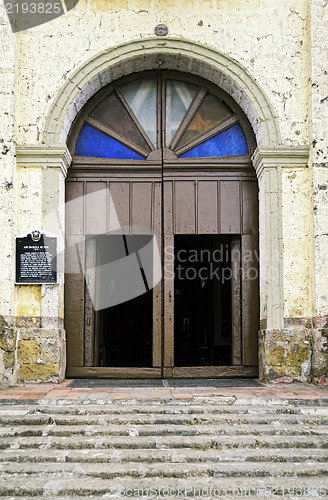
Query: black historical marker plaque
point(36, 260)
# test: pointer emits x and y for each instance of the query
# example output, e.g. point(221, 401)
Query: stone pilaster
point(39, 315)
point(286, 261)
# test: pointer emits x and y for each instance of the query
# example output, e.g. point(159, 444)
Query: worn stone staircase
point(203, 448)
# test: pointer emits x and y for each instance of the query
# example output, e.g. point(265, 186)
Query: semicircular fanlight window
point(195, 123)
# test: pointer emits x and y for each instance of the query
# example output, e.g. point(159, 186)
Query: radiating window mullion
point(229, 122)
point(229, 142)
point(178, 97)
point(134, 118)
point(115, 135)
point(196, 102)
point(141, 95)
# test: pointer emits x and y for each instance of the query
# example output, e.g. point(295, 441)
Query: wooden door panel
point(74, 300)
point(74, 208)
point(207, 207)
point(168, 207)
point(89, 313)
point(250, 207)
point(95, 207)
point(236, 347)
point(185, 207)
point(230, 207)
point(120, 196)
point(169, 304)
point(191, 206)
point(107, 205)
point(250, 299)
point(142, 207)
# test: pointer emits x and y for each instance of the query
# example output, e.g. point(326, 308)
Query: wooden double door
point(186, 277)
point(161, 249)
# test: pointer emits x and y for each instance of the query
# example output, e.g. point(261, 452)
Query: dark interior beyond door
point(202, 301)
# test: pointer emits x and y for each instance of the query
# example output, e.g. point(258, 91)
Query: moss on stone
point(28, 351)
point(297, 354)
point(32, 333)
point(7, 338)
point(324, 333)
point(275, 356)
point(308, 324)
point(40, 372)
point(50, 351)
point(320, 365)
point(9, 359)
point(274, 372)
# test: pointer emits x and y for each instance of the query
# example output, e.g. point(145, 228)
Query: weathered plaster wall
point(283, 46)
point(268, 39)
point(7, 200)
point(319, 101)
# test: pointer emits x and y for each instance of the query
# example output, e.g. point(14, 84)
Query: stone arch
point(171, 54)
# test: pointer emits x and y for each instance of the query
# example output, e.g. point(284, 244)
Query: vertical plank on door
point(184, 207)
point(89, 314)
point(230, 207)
point(207, 207)
point(250, 207)
point(142, 194)
point(74, 299)
point(169, 304)
point(168, 207)
point(250, 299)
point(157, 304)
point(74, 208)
point(120, 196)
point(95, 208)
point(236, 300)
point(157, 290)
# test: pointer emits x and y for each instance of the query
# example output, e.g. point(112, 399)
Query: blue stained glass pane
point(228, 143)
point(98, 145)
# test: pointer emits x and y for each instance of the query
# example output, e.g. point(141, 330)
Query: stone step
point(165, 419)
point(276, 428)
point(163, 469)
point(132, 407)
point(100, 450)
point(201, 442)
point(65, 497)
point(172, 488)
point(180, 455)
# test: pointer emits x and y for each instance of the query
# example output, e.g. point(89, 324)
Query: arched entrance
point(162, 232)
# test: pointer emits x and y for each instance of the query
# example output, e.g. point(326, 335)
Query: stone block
point(297, 354)
point(50, 352)
point(8, 338)
point(285, 355)
point(38, 372)
point(279, 373)
point(38, 333)
point(9, 360)
point(319, 355)
point(275, 356)
point(28, 351)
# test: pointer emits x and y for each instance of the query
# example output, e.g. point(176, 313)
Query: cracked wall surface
point(283, 47)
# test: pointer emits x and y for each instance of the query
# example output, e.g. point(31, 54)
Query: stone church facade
point(266, 62)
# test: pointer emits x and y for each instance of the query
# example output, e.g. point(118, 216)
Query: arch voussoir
point(172, 54)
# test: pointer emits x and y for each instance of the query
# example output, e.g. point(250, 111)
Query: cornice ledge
point(44, 155)
point(280, 156)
